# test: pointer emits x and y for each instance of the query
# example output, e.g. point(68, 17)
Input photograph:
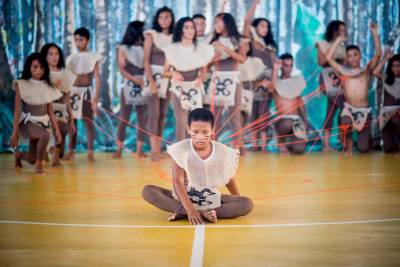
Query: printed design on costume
point(247, 101)
point(386, 113)
point(134, 94)
point(222, 86)
point(358, 116)
point(332, 81)
point(75, 99)
point(187, 95)
point(161, 82)
point(200, 197)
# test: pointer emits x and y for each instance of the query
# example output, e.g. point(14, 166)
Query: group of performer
point(236, 75)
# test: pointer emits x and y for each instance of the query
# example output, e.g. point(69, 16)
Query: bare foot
point(327, 149)
point(155, 157)
point(210, 215)
point(90, 156)
point(70, 155)
point(18, 159)
point(39, 168)
point(117, 154)
point(56, 163)
point(141, 155)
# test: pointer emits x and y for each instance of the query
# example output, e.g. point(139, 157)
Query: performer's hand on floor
point(194, 217)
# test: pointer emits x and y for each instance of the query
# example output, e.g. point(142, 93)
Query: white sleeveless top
point(213, 172)
point(290, 88)
point(189, 58)
point(134, 54)
point(82, 62)
point(35, 92)
point(67, 78)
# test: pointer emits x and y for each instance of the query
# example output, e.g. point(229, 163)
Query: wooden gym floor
point(314, 210)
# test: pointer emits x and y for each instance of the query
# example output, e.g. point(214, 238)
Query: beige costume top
point(205, 176)
point(82, 62)
point(290, 88)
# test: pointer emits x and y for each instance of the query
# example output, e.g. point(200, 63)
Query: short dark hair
point(82, 32)
point(198, 16)
point(351, 47)
point(286, 56)
point(201, 114)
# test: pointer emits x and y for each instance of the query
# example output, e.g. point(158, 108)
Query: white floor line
point(206, 226)
point(196, 259)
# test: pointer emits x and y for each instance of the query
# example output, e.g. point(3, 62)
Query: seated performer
point(200, 167)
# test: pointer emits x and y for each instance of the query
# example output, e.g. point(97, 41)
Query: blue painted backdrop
point(27, 24)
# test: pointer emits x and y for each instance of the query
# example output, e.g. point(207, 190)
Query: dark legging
point(64, 127)
point(233, 115)
point(363, 142)
point(390, 133)
point(38, 140)
point(294, 144)
point(157, 109)
point(141, 120)
point(231, 206)
point(87, 114)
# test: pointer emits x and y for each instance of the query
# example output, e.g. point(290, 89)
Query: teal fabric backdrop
point(27, 24)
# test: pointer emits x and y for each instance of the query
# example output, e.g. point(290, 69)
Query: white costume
point(205, 176)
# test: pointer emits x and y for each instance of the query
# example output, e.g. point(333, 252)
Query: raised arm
point(378, 48)
point(329, 55)
point(274, 75)
point(249, 18)
point(222, 6)
point(178, 180)
point(378, 69)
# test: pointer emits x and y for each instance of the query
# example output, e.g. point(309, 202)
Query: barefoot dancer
point(200, 167)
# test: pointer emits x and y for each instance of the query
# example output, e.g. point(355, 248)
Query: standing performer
point(33, 111)
point(226, 90)
point(262, 46)
point(186, 65)
point(330, 82)
point(130, 63)
point(389, 116)
point(356, 111)
point(154, 59)
point(200, 167)
point(84, 99)
point(63, 80)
